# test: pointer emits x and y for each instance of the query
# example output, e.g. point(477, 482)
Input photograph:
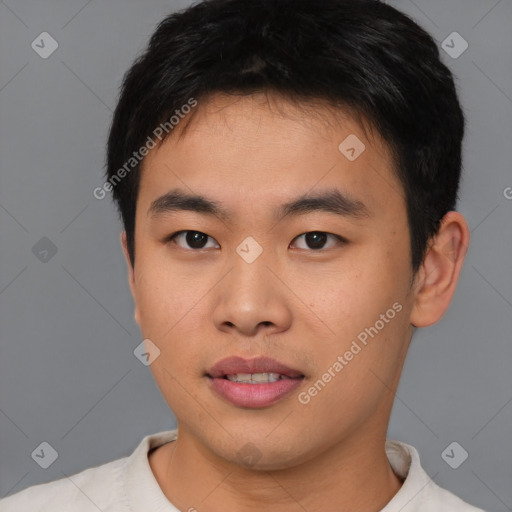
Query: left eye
point(317, 239)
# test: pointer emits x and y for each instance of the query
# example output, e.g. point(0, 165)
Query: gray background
point(68, 375)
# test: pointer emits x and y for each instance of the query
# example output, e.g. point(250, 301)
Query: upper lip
point(232, 365)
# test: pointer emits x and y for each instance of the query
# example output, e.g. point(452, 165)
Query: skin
point(300, 305)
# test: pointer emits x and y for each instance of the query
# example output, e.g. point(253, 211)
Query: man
point(286, 173)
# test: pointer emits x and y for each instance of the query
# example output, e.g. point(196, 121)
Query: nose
point(252, 300)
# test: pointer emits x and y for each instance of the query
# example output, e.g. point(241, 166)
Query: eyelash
point(340, 239)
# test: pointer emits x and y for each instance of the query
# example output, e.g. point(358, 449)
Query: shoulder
point(419, 493)
point(104, 487)
point(98, 488)
point(441, 499)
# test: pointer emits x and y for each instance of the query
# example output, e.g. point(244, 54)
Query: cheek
point(163, 295)
point(364, 303)
point(172, 378)
point(171, 306)
point(356, 371)
point(351, 299)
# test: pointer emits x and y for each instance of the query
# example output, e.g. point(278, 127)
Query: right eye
point(195, 239)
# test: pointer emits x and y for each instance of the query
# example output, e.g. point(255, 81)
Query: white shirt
point(128, 485)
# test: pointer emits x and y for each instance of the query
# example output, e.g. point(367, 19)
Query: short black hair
point(361, 55)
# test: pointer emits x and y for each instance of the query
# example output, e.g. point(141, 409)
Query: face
point(306, 260)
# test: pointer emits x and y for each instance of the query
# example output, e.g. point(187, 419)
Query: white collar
point(144, 493)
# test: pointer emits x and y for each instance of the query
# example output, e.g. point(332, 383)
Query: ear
point(437, 278)
point(131, 274)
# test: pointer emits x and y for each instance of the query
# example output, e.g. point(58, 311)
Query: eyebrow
point(329, 200)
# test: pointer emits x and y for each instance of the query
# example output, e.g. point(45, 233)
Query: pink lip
point(253, 395)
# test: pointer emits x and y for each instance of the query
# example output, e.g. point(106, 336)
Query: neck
point(353, 475)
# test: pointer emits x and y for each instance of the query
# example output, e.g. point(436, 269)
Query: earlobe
point(438, 276)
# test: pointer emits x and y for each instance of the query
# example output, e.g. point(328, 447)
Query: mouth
point(259, 369)
point(253, 383)
point(258, 378)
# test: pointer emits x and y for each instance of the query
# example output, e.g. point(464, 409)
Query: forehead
point(264, 114)
point(264, 149)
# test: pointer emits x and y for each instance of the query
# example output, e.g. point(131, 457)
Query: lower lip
point(254, 395)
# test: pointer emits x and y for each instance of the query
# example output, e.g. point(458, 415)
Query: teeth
point(256, 378)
